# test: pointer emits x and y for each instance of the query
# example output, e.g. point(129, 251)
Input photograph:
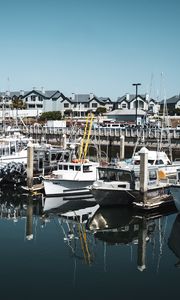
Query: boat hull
point(175, 192)
point(110, 197)
point(55, 188)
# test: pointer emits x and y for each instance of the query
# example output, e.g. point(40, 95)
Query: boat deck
point(155, 202)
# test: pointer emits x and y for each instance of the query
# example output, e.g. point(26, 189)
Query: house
point(36, 101)
point(144, 102)
point(42, 100)
point(127, 116)
point(80, 104)
point(172, 103)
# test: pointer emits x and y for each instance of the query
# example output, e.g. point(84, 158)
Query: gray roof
point(86, 98)
point(131, 97)
point(105, 99)
point(45, 94)
point(172, 100)
point(81, 98)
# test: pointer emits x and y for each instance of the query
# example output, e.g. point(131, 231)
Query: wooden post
point(30, 157)
point(144, 172)
point(29, 221)
point(121, 147)
point(141, 254)
point(64, 141)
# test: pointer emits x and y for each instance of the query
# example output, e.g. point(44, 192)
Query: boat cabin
point(47, 158)
point(9, 146)
point(132, 176)
point(155, 158)
point(108, 174)
point(67, 166)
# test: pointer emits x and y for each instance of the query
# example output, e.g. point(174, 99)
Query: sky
point(91, 46)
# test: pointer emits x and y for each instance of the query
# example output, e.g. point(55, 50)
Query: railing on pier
point(147, 136)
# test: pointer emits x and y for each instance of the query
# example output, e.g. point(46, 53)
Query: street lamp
point(136, 85)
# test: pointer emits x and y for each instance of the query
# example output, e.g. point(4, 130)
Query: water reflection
point(174, 239)
point(85, 226)
point(123, 226)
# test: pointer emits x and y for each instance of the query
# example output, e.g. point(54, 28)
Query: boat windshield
point(115, 175)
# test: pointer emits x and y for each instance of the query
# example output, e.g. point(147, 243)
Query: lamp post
point(136, 85)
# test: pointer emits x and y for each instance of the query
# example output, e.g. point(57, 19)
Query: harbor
point(89, 150)
point(77, 212)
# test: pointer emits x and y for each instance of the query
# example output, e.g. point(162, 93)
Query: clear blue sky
point(98, 46)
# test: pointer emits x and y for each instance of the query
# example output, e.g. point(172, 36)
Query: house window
point(141, 104)
point(87, 105)
point(94, 105)
point(39, 106)
point(124, 105)
point(66, 105)
point(33, 98)
point(31, 105)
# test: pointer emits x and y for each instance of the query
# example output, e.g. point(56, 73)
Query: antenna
point(8, 84)
point(150, 87)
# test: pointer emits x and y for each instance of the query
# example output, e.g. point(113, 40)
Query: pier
point(147, 137)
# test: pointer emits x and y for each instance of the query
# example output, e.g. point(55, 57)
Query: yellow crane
point(86, 136)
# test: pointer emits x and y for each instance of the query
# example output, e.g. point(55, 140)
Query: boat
point(122, 184)
point(14, 156)
point(159, 159)
point(75, 175)
point(175, 190)
point(13, 147)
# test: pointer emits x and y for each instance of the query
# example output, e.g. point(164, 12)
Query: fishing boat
point(159, 159)
point(75, 173)
point(175, 190)
point(13, 147)
point(121, 184)
point(75, 176)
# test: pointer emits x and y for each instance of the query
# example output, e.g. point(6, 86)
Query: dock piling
point(30, 158)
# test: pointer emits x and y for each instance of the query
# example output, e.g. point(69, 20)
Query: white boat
point(75, 176)
point(13, 149)
point(159, 159)
point(175, 190)
point(123, 184)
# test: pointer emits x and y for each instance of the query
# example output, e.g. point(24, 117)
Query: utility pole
point(136, 85)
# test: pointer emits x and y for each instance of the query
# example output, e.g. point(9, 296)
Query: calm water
point(78, 250)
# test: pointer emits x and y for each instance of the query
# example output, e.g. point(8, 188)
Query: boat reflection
point(174, 240)
point(59, 205)
point(84, 226)
point(125, 226)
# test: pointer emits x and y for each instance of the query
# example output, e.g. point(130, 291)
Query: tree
point(50, 115)
point(100, 110)
point(18, 103)
point(68, 112)
point(177, 111)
